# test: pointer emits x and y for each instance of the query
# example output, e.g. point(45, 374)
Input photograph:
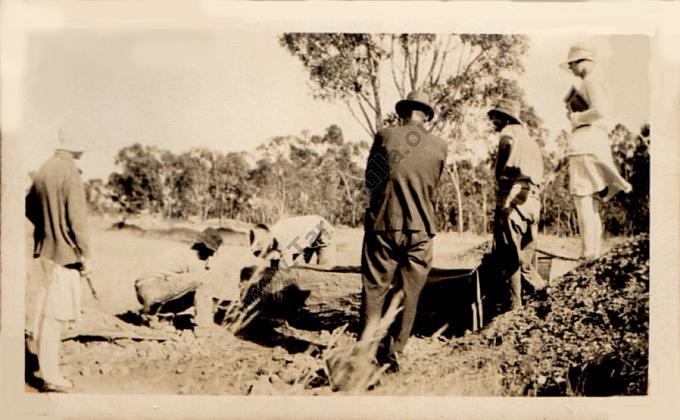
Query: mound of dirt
point(589, 337)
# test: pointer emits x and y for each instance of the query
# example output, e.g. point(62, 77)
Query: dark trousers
point(513, 247)
point(393, 261)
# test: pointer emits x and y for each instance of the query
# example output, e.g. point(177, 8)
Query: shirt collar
point(410, 123)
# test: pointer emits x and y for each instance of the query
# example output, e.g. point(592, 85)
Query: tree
point(628, 214)
point(460, 72)
point(99, 197)
point(138, 186)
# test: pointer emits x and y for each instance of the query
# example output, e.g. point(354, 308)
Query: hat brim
point(208, 243)
point(76, 148)
point(565, 65)
point(505, 114)
point(405, 106)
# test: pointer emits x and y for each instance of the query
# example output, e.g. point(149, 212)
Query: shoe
point(541, 294)
point(392, 363)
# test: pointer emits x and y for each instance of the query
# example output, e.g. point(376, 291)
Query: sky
point(233, 90)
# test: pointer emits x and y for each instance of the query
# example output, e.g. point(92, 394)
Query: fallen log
point(114, 335)
point(309, 297)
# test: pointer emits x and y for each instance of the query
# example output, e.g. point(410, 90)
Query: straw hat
point(508, 107)
point(415, 100)
point(577, 53)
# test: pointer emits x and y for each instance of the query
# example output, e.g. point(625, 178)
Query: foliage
point(320, 174)
point(588, 337)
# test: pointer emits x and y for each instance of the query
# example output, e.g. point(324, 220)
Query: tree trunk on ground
point(311, 298)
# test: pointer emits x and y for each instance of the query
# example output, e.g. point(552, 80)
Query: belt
point(582, 126)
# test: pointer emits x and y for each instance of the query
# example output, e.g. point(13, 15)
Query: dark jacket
point(402, 173)
point(57, 208)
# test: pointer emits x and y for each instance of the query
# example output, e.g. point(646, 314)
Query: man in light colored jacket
point(57, 208)
point(519, 172)
point(285, 242)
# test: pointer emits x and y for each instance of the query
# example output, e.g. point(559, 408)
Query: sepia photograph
point(258, 210)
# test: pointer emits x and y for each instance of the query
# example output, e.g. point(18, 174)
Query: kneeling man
point(181, 273)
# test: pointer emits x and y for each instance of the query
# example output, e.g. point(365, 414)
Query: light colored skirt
point(62, 298)
point(591, 166)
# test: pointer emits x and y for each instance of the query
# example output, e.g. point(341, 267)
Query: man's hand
point(86, 273)
point(86, 267)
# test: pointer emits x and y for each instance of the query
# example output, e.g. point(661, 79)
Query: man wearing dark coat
point(402, 174)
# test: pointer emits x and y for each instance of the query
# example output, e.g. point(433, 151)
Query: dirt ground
point(221, 363)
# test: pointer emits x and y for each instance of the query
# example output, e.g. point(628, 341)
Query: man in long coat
point(57, 207)
point(403, 170)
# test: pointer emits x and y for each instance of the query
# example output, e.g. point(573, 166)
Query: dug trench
point(589, 336)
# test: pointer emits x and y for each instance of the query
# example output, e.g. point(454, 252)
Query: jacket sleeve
point(76, 213)
point(442, 166)
point(373, 174)
point(32, 209)
point(504, 150)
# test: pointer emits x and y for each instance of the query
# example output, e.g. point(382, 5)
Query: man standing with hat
point(402, 173)
point(180, 273)
point(57, 208)
point(519, 172)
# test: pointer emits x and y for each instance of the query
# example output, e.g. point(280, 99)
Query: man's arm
point(76, 213)
point(32, 209)
point(504, 149)
point(373, 175)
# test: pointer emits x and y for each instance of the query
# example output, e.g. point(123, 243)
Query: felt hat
point(508, 107)
point(416, 100)
point(210, 238)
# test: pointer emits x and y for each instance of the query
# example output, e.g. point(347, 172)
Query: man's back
point(403, 171)
point(56, 206)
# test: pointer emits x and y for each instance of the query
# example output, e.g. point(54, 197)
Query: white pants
point(590, 224)
point(58, 304)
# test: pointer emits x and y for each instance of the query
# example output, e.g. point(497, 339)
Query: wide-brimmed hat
point(210, 238)
point(415, 100)
point(508, 107)
point(72, 138)
point(576, 53)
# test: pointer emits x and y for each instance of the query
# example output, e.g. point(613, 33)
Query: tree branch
point(357, 119)
point(444, 56)
point(394, 71)
point(368, 119)
point(407, 55)
point(435, 56)
point(416, 65)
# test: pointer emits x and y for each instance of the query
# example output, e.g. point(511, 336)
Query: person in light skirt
point(593, 176)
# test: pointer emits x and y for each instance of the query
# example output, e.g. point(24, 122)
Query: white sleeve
point(597, 101)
